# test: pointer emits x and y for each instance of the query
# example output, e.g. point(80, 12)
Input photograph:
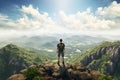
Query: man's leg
point(58, 59)
point(63, 59)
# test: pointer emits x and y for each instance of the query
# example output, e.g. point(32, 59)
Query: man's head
point(60, 40)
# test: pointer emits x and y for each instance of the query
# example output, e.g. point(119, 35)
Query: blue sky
point(60, 16)
point(52, 6)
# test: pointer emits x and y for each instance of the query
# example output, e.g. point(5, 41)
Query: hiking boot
point(58, 63)
point(63, 63)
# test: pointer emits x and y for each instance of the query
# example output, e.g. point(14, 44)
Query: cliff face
point(106, 59)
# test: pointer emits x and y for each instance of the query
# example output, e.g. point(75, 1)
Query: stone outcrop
point(17, 77)
point(51, 71)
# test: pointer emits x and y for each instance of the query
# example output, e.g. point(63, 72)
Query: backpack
point(61, 46)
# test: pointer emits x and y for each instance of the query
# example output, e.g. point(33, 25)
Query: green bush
point(31, 73)
point(105, 77)
point(37, 78)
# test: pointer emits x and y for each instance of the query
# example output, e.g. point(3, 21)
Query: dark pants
point(60, 53)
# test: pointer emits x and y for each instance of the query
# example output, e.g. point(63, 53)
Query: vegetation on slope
point(14, 58)
point(96, 49)
point(104, 58)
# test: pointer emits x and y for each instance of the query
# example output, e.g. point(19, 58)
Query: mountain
point(51, 71)
point(47, 44)
point(14, 58)
point(104, 58)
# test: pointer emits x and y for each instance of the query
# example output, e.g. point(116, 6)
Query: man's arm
point(64, 48)
point(57, 49)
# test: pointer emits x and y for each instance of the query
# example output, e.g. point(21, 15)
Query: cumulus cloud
point(110, 12)
point(32, 18)
point(84, 21)
point(31, 22)
point(30, 10)
point(105, 19)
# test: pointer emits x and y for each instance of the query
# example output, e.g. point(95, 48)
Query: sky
point(44, 17)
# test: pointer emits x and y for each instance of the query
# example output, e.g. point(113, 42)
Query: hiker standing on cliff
point(61, 51)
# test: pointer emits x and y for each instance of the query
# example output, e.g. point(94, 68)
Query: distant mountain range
point(14, 58)
point(104, 58)
point(47, 44)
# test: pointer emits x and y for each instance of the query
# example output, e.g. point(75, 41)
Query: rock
point(68, 66)
point(16, 77)
point(23, 71)
point(70, 71)
point(81, 69)
point(95, 74)
point(49, 71)
point(85, 76)
point(41, 69)
point(75, 75)
point(56, 67)
point(32, 66)
point(110, 67)
point(48, 78)
point(56, 75)
point(42, 73)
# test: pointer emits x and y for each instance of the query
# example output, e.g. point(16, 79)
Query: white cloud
point(41, 23)
point(110, 12)
point(84, 21)
point(30, 10)
point(37, 20)
point(106, 19)
point(3, 17)
point(5, 22)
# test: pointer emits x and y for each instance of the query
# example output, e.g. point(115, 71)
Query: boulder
point(16, 77)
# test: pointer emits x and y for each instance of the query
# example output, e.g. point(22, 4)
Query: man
point(61, 51)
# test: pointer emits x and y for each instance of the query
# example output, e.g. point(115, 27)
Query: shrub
point(37, 78)
point(31, 73)
point(105, 77)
